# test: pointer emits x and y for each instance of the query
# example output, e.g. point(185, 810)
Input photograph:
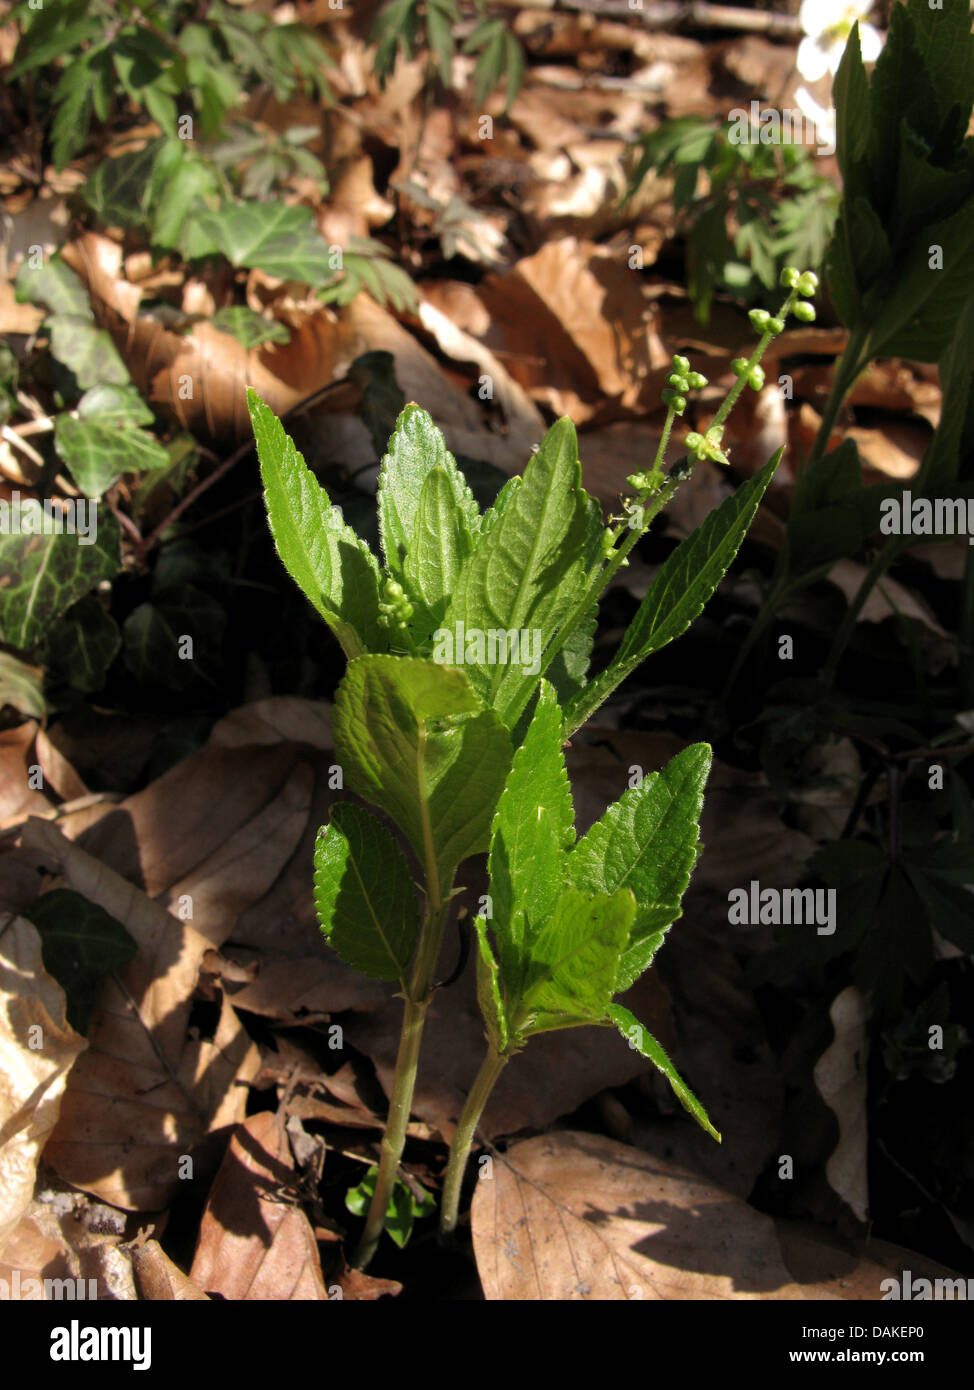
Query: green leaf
point(439, 548)
point(364, 894)
point(98, 451)
point(828, 517)
point(281, 240)
point(413, 740)
point(917, 319)
point(118, 190)
point(573, 962)
point(415, 449)
point(80, 646)
point(41, 574)
point(688, 577)
point(403, 1210)
point(55, 285)
point(72, 97)
point(88, 351)
point(526, 571)
point(532, 830)
point(647, 841)
point(154, 637)
point(21, 687)
point(249, 327)
point(80, 943)
point(942, 459)
point(643, 1041)
point(489, 996)
point(330, 564)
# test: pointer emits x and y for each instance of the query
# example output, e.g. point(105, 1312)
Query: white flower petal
point(871, 43)
point(815, 16)
point(813, 59)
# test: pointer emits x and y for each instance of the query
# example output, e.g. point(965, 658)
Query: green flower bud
point(608, 543)
point(807, 283)
point(760, 319)
point(715, 434)
point(392, 590)
point(638, 481)
point(776, 325)
point(740, 366)
point(681, 364)
point(756, 379)
point(789, 277)
point(678, 380)
point(804, 312)
point(678, 404)
point(696, 381)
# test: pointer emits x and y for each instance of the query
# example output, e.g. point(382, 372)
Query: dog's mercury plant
point(466, 757)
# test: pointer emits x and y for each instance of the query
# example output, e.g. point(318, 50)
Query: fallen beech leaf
point(38, 1048)
point(577, 1216)
point(840, 1075)
point(357, 1286)
point(159, 1279)
point(147, 1094)
point(28, 1257)
point(254, 1242)
point(18, 768)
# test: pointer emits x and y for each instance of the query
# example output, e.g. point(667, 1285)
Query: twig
point(671, 14)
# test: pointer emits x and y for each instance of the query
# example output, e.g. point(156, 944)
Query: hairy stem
point(491, 1069)
point(404, 1082)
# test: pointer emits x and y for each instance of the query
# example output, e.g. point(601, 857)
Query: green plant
point(575, 924)
point(747, 207)
point(397, 29)
point(447, 643)
point(900, 271)
point(161, 59)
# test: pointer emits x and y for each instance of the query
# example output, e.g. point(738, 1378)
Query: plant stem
point(491, 1069)
point(850, 365)
point(404, 1082)
point(880, 564)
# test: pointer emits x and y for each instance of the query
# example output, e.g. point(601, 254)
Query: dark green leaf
point(364, 894)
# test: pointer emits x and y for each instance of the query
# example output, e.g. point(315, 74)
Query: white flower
point(827, 25)
point(822, 117)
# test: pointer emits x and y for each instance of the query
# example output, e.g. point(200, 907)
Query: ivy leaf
point(574, 961)
point(414, 740)
point(415, 449)
point(527, 567)
point(21, 687)
point(249, 327)
point(81, 943)
point(80, 646)
point(175, 639)
point(41, 575)
point(532, 830)
point(688, 577)
point(647, 841)
point(98, 449)
point(334, 568)
point(364, 894)
point(643, 1041)
point(273, 237)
